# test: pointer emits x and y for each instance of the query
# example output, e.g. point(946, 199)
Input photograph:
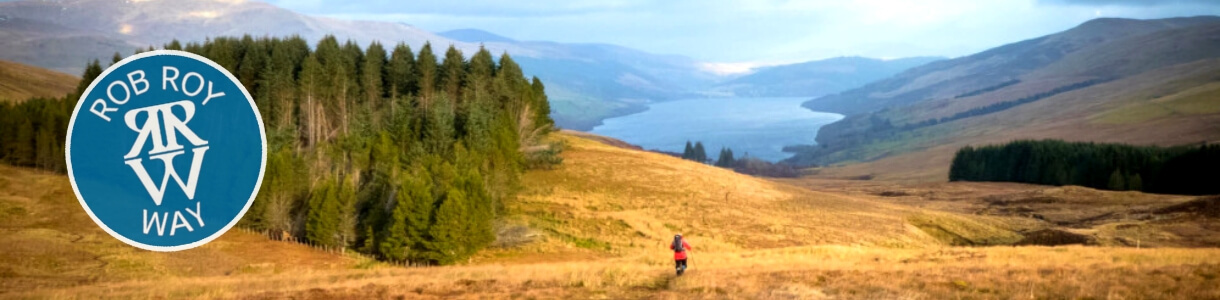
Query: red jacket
point(680, 255)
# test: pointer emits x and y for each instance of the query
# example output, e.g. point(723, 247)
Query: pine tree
point(23, 150)
point(700, 154)
point(448, 237)
point(416, 193)
point(310, 112)
point(482, 69)
point(174, 45)
point(452, 73)
point(395, 240)
point(726, 158)
point(49, 152)
point(253, 62)
point(1117, 181)
point(346, 213)
point(426, 73)
point(439, 128)
point(371, 79)
point(321, 221)
point(688, 152)
point(542, 114)
point(92, 71)
point(1135, 182)
point(401, 71)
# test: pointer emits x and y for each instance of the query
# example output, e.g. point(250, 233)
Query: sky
point(762, 32)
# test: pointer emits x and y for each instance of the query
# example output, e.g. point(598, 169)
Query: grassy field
point(598, 226)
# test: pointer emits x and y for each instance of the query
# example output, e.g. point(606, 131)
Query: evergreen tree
point(371, 75)
point(439, 128)
point(688, 152)
point(448, 237)
point(542, 115)
point(1117, 181)
point(395, 239)
point(426, 73)
point(253, 61)
point(22, 151)
point(452, 73)
point(346, 213)
point(416, 193)
point(700, 154)
point(482, 69)
point(1135, 182)
point(401, 71)
point(92, 71)
point(321, 225)
point(726, 158)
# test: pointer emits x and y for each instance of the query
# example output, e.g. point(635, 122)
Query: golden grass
point(788, 273)
point(19, 82)
point(603, 220)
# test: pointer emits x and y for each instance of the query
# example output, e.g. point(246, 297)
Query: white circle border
point(262, 134)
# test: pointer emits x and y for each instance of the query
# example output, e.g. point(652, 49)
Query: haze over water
point(760, 127)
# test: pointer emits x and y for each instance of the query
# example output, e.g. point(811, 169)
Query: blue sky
point(766, 31)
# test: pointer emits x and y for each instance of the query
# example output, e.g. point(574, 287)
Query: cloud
point(1144, 3)
point(762, 31)
point(484, 8)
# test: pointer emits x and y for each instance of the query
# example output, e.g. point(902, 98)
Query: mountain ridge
point(1066, 85)
point(818, 77)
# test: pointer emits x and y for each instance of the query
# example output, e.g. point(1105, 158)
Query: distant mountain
point(589, 82)
point(948, 78)
point(817, 78)
point(470, 35)
point(64, 35)
point(585, 82)
point(1107, 80)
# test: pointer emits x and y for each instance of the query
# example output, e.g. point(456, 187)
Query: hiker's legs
point(682, 263)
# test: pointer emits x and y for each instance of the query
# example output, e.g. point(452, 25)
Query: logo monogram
point(165, 149)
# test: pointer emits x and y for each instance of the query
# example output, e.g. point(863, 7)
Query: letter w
point(157, 192)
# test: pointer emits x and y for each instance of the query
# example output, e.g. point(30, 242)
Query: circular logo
point(166, 150)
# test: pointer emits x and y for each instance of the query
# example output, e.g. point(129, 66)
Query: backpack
point(677, 245)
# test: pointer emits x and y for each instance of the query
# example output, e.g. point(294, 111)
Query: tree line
point(988, 89)
point(1171, 170)
point(745, 164)
point(399, 154)
point(997, 107)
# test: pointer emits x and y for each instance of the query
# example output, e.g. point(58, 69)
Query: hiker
point(680, 247)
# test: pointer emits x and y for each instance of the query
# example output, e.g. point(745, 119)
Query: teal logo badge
point(166, 150)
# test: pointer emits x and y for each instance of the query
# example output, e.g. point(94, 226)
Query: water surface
point(758, 126)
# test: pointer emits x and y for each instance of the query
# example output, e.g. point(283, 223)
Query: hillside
point(19, 82)
point(597, 227)
point(817, 78)
point(1108, 80)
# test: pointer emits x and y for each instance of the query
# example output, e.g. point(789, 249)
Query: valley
point(597, 227)
point(404, 163)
